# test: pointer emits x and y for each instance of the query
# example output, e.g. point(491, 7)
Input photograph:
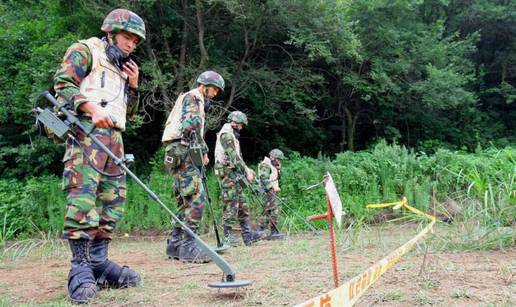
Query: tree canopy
point(313, 76)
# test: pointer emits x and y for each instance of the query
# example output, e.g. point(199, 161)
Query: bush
point(483, 184)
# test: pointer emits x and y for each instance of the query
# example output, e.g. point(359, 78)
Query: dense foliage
point(482, 183)
point(314, 76)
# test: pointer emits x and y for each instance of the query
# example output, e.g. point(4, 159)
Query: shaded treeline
point(314, 76)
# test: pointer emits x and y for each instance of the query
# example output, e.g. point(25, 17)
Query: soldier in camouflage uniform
point(269, 172)
point(183, 130)
point(229, 166)
point(100, 83)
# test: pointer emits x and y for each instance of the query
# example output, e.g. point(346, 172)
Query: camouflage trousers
point(188, 188)
point(95, 202)
point(270, 211)
point(232, 197)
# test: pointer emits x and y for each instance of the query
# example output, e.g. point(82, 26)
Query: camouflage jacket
point(229, 147)
point(265, 174)
point(76, 65)
point(192, 121)
point(268, 174)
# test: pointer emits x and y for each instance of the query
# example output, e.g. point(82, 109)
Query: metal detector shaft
point(204, 181)
point(229, 273)
point(257, 189)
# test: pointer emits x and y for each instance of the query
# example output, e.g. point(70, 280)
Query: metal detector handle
point(229, 273)
point(204, 181)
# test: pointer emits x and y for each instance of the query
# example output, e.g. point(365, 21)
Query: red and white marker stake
point(334, 207)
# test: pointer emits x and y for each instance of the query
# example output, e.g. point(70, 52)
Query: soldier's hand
point(276, 189)
point(132, 71)
point(205, 159)
point(101, 119)
point(99, 116)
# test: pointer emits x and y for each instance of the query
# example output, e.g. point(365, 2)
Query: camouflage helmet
point(238, 117)
point(124, 20)
point(211, 78)
point(276, 154)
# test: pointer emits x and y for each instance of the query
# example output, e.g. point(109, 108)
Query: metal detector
point(221, 246)
point(65, 128)
point(258, 193)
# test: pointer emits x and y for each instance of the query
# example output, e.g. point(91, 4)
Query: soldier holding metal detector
point(99, 82)
point(186, 156)
point(229, 166)
point(269, 172)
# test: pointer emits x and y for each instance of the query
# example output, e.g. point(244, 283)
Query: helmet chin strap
point(114, 43)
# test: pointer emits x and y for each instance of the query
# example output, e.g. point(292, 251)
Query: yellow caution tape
point(351, 291)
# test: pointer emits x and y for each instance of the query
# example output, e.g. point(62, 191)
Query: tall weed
point(483, 184)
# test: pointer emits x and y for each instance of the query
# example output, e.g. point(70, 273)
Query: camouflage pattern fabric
point(270, 210)
point(95, 202)
point(265, 174)
point(211, 78)
point(75, 67)
point(191, 122)
point(238, 117)
point(188, 188)
point(229, 147)
point(124, 20)
point(232, 193)
point(232, 197)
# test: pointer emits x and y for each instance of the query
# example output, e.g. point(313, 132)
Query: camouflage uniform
point(95, 186)
point(188, 187)
point(232, 194)
point(229, 166)
point(185, 128)
point(269, 172)
point(94, 202)
point(271, 210)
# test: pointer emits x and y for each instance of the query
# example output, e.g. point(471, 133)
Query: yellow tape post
point(349, 293)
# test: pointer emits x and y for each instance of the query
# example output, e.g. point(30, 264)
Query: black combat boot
point(81, 282)
point(107, 272)
point(248, 235)
point(230, 238)
point(190, 252)
point(174, 242)
point(275, 234)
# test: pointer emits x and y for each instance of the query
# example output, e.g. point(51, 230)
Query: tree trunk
point(200, 28)
point(351, 124)
point(182, 54)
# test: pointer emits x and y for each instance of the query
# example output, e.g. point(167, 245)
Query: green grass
point(481, 184)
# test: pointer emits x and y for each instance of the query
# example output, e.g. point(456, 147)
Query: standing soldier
point(184, 130)
point(99, 81)
point(229, 166)
point(269, 172)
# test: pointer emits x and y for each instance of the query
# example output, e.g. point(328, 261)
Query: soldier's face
point(126, 41)
point(276, 163)
point(211, 91)
point(237, 125)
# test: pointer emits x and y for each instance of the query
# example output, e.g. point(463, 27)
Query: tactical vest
point(105, 85)
point(221, 158)
point(273, 178)
point(173, 129)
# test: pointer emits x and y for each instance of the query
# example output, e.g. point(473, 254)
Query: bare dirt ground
point(283, 273)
